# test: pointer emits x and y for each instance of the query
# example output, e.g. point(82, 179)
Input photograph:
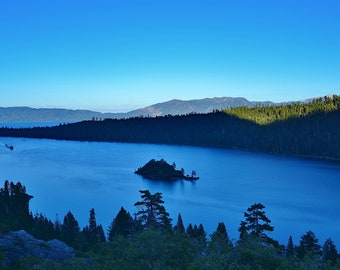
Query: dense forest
point(268, 114)
point(307, 130)
point(149, 240)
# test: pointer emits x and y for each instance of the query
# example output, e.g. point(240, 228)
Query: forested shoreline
point(149, 240)
point(303, 130)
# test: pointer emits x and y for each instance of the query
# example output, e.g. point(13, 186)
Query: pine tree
point(243, 230)
point(100, 234)
point(220, 242)
point(190, 231)
point(257, 223)
point(69, 229)
point(290, 250)
point(42, 228)
point(179, 227)
point(93, 233)
point(122, 225)
point(329, 252)
point(92, 221)
point(151, 212)
point(221, 233)
point(14, 207)
point(308, 245)
point(57, 227)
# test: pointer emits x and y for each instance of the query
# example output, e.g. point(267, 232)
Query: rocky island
point(161, 170)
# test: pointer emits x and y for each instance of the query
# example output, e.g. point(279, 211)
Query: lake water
point(299, 195)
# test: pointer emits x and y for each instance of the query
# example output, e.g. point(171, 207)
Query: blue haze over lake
point(299, 195)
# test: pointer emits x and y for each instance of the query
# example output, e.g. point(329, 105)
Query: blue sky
point(121, 55)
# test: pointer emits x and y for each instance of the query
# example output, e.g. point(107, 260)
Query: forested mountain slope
point(312, 134)
point(269, 114)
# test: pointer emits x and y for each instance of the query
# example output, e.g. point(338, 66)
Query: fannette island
point(161, 170)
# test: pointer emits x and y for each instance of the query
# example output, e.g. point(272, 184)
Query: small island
point(161, 170)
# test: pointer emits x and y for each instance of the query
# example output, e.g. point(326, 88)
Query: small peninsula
point(161, 170)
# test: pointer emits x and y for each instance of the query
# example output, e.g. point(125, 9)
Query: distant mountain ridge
point(172, 107)
point(27, 114)
point(206, 105)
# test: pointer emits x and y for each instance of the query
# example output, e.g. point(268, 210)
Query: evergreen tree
point(329, 252)
point(14, 207)
point(197, 237)
point(151, 212)
point(190, 231)
point(290, 250)
point(69, 229)
point(179, 227)
point(57, 227)
point(220, 242)
point(93, 233)
point(256, 223)
point(308, 246)
point(122, 225)
point(100, 234)
point(243, 230)
point(201, 233)
point(42, 228)
point(92, 221)
point(220, 233)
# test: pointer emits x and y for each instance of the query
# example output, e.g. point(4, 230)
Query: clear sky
point(119, 55)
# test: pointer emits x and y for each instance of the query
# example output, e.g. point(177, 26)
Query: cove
point(299, 194)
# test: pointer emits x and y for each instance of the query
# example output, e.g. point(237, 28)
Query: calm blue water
point(299, 195)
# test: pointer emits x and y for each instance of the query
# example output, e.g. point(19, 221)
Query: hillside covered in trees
point(307, 130)
point(268, 114)
point(149, 240)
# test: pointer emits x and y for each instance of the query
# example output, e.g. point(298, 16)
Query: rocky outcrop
point(20, 244)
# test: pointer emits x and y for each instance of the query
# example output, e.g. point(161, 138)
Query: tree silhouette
point(256, 222)
point(14, 207)
point(93, 233)
point(220, 242)
point(179, 227)
point(329, 252)
point(308, 245)
point(151, 212)
point(122, 225)
point(69, 229)
point(290, 250)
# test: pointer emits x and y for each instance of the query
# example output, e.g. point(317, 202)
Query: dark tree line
point(148, 240)
point(14, 210)
point(313, 132)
